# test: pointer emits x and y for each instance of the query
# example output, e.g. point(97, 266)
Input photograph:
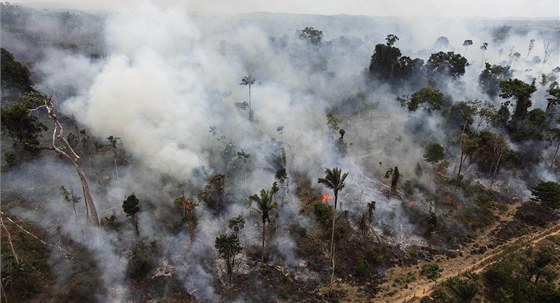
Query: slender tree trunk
point(229, 268)
point(460, 165)
point(555, 154)
point(250, 105)
point(116, 169)
point(462, 159)
point(135, 223)
point(74, 208)
point(263, 236)
point(332, 273)
point(332, 236)
point(10, 241)
point(496, 167)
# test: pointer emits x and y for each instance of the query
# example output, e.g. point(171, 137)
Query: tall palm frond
point(264, 205)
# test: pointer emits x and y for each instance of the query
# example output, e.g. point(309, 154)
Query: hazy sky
point(448, 8)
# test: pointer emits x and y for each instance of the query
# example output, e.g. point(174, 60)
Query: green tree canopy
point(387, 62)
point(433, 98)
point(548, 193)
point(521, 92)
point(14, 73)
point(490, 78)
point(447, 63)
point(434, 153)
point(228, 246)
point(20, 124)
point(554, 99)
point(131, 206)
point(384, 62)
point(311, 35)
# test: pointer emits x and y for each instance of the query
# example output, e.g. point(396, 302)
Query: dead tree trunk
point(496, 167)
point(9, 240)
point(555, 155)
point(68, 152)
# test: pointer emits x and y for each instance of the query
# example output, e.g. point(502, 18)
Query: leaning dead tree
point(61, 146)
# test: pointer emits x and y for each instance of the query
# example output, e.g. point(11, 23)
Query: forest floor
point(408, 284)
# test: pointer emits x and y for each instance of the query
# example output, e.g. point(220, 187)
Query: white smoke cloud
point(167, 77)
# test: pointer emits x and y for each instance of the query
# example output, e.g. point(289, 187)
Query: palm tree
point(464, 291)
point(265, 204)
point(249, 80)
point(334, 180)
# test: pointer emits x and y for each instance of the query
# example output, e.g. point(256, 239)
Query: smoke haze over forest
point(166, 82)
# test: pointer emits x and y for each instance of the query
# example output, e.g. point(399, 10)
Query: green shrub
point(377, 257)
point(141, 262)
point(432, 271)
point(323, 213)
point(362, 267)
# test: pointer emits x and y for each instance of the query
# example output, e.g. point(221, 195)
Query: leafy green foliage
point(362, 267)
point(142, 261)
point(265, 202)
point(512, 278)
point(384, 62)
point(554, 99)
point(521, 92)
point(432, 271)
point(24, 279)
point(82, 278)
point(462, 113)
point(11, 160)
point(14, 73)
point(20, 124)
point(228, 246)
point(265, 206)
point(531, 127)
point(447, 63)
point(438, 296)
point(69, 196)
point(334, 180)
point(463, 290)
point(213, 194)
point(236, 223)
point(387, 62)
point(491, 150)
point(433, 98)
point(434, 152)
point(323, 213)
point(548, 193)
point(311, 35)
point(491, 77)
point(131, 205)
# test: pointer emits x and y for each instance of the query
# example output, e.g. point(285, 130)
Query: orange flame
point(325, 198)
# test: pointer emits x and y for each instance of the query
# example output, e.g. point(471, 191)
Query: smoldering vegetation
point(194, 114)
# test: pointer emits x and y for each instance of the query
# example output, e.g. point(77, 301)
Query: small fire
point(325, 198)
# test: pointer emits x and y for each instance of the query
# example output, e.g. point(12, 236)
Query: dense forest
point(151, 155)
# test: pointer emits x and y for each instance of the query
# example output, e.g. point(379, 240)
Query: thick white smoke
point(168, 83)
